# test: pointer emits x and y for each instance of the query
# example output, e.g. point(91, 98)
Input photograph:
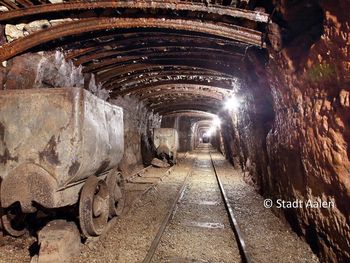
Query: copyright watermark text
point(279, 203)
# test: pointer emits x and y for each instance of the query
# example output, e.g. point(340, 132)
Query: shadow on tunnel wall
point(148, 150)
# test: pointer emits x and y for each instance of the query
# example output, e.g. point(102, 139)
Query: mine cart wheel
point(13, 221)
point(93, 207)
point(115, 183)
point(172, 161)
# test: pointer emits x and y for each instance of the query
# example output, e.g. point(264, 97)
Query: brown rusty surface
point(103, 4)
point(194, 90)
point(147, 74)
point(181, 99)
point(73, 169)
point(169, 77)
point(33, 182)
point(9, 4)
point(197, 107)
point(187, 105)
point(165, 87)
point(141, 74)
point(154, 50)
point(126, 41)
point(94, 24)
point(112, 72)
point(49, 153)
point(213, 57)
point(129, 73)
point(189, 113)
point(58, 142)
point(200, 61)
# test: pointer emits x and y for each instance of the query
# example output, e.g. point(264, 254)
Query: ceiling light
point(232, 104)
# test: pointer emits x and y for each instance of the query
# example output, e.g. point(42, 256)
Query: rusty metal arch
point(152, 73)
point(142, 89)
point(237, 33)
point(208, 102)
point(125, 89)
point(196, 107)
point(190, 113)
point(183, 98)
point(144, 77)
point(112, 72)
point(218, 59)
point(154, 4)
point(163, 93)
point(92, 44)
point(157, 90)
point(104, 54)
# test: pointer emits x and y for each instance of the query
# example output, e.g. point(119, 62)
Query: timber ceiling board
point(134, 46)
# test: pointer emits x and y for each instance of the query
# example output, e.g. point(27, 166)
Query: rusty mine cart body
point(58, 148)
point(166, 142)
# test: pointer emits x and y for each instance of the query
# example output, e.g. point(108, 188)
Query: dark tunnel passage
point(159, 131)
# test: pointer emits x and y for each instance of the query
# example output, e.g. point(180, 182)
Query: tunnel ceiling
point(173, 55)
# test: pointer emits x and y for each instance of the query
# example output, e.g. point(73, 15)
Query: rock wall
point(139, 123)
point(46, 70)
point(300, 150)
point(308, 145)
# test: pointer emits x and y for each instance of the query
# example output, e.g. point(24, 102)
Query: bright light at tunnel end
point(232, 104)
point(216, 123)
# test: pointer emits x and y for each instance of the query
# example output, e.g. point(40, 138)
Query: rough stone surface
point(3, 9)
point(159, 163)
point(21, 72)
point(59, 242)
point(14, 32)
point(48, 70)
point(36, 26)
point(139, 123)
point(301, 150)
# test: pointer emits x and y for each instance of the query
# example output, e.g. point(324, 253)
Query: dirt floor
point(199, 230)
point(267, 237)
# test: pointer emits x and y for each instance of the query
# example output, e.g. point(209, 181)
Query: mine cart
point(166, 142)
point(60, 148)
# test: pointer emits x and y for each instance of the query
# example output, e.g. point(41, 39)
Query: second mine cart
point(166, 142)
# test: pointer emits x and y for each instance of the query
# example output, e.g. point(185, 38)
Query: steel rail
point(245, 256)
point(234, 224)
point(166, 220)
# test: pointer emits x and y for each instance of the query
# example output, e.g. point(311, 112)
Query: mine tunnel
point(175, 131)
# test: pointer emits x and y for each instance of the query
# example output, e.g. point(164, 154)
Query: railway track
point(200, 225)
